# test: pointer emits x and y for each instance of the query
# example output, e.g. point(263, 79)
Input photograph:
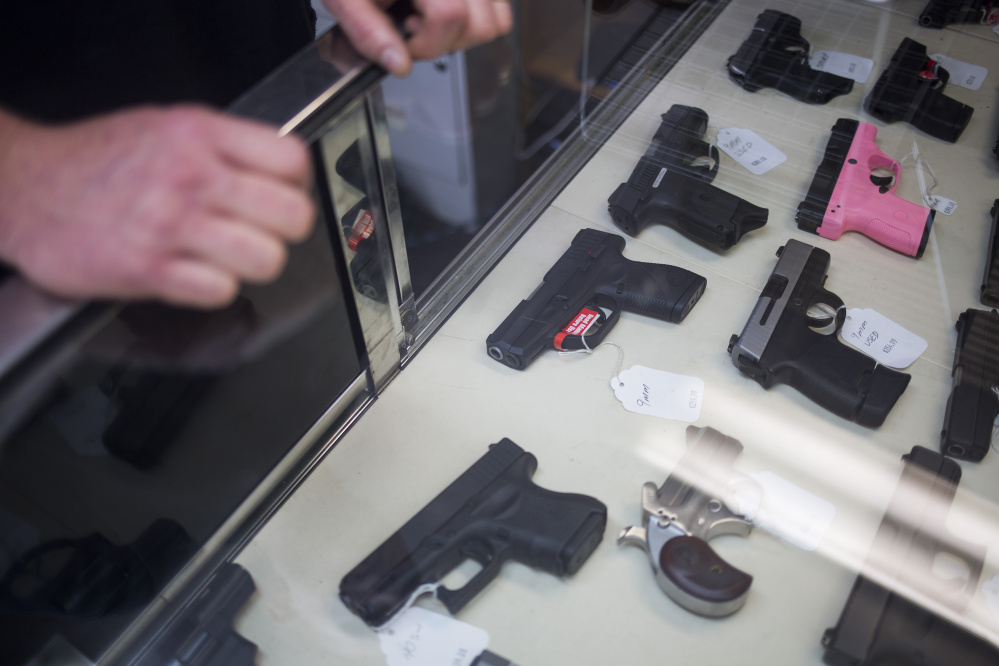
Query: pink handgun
point(846, 195)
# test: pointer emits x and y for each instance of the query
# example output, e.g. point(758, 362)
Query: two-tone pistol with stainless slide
point(682, 515)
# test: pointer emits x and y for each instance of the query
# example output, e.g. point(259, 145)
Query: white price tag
point(657, 393)
point(419, 637)
point(748, 149)
point(841, 64)
point(962, 74)
point(786, 510)
point(881, 338)
point(942, 204)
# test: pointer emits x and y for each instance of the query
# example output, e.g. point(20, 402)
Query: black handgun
point(990, 281)
point(973, 403)
point(672, 185)
point(790, 338)
point(491, 513)
point(911, 90)
point(569, 310)
point(776, 56)
point(202, 634)
point(892, 621)
point(940, 13)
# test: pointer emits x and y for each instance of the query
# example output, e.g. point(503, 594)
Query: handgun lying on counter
point(567, 311)
point(672, 186)
point(790, 338)
point(202, 633)
point(911, 90)
point(682, 515)
point(974, 402)
point(776, 56)
point(891, 615)
point(491, 513)
point(941, 13)
point(990, 281)
point(846, 194)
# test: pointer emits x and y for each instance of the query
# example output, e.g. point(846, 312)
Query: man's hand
point(438, 27)
point(179, 204)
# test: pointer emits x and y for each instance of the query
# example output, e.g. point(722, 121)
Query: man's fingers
point(256, 147)
point(439, 27)
point(237, 248)
point(371, 32)
point(191, 282)
point(272, 205)
point(444, 26)
point(503, 16)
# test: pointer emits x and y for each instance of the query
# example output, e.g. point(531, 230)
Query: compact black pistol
point(790, 338)
point(974, 402)
point(887, 618)
point(940, 13)
point(989, 294)
point(568, 310)
point(911, 90)
point(672, 186)
point(776, 56)
point(490, 514)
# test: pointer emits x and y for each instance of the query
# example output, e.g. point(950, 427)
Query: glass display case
point(766, 420)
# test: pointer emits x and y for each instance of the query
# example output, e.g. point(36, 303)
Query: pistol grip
point(661, 291)
point(844, 381)
point(694, 576)
point(491, 561)
point(690, 205)
point(900, 225)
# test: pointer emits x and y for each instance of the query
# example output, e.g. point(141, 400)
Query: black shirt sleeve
point(65, 59)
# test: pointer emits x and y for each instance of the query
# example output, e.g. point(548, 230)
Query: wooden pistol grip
point(708, 584)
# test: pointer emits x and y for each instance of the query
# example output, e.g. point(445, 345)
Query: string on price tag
point(935, 201)
point(881, 338)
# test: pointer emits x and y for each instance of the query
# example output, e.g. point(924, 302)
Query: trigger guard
point(715, 158)
point(491, 561)
point(829, 324)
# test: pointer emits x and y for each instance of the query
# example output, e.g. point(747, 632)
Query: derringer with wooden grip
point(682, 515)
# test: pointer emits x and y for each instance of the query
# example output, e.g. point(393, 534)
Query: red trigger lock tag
point(361, 230)
point(578, 326)
point(929, 70)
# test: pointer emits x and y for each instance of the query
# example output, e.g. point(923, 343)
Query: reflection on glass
point(469, 129)
point(151, 432)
